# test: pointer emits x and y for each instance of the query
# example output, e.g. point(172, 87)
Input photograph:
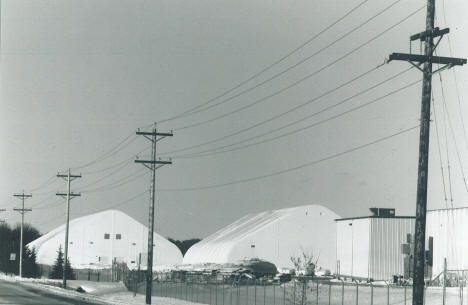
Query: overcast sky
point(79, 77)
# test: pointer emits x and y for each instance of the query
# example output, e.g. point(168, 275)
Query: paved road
point(14, 293)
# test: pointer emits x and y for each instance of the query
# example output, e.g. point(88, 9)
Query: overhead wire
point(282, 72)
point(42, 185)
point(130, 178)
point(453, 134)
point(115, 149)
point(281, 59)
point(116, 170)
point(457, 91)
point(219, 149)
point(280, 172)
point(303, 78)
point(439, 150)
point(367, 72)
point(117, 204)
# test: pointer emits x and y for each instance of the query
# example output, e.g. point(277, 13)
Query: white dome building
point(274, 236)
point(96, 240)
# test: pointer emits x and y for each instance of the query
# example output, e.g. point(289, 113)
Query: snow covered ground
point(99, 292)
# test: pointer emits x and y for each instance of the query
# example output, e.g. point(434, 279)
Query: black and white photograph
point(220, 152)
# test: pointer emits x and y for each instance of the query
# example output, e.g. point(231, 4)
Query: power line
point(455, 78)
point(312, 115)
point(127, 179)
point(439, 150)
point(117, 148)
point(118, 204)
point(449, 173)
point(289, 169)
point(113, 165)
point(291, 110)
point(49, 180)
point(124, 165)
point(281, 59)
point(216, 151)
point(453, 134)
point(298, 63)
point(304, 78)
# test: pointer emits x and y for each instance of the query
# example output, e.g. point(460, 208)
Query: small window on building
point(106, 236)
point(118, 236)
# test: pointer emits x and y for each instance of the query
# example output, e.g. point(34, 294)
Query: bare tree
point(305, 265)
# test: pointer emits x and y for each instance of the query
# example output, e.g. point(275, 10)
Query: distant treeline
point(9, 244)
point(184, 245)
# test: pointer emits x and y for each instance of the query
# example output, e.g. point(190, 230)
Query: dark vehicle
point(282, 278)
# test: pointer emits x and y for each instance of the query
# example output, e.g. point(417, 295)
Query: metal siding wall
point(361, 247)
point(352, 247)
point(344, 246)
point(449, 228)
point(387, 235)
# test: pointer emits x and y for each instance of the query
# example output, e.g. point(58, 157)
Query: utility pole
point(154, 136)
point(421, 197)
point(22, 211)
point(68, 195)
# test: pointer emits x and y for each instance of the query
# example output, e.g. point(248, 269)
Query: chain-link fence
point(216, 289)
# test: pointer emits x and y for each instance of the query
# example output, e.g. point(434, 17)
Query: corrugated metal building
point(369, 247)
point(449, 229)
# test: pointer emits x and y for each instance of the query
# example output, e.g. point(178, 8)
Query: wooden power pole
point(421, 197)
point(154, 136)
point(68, 195)
point(22, 211)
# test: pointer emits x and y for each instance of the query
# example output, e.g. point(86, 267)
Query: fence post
point(247, 294)
point(424, 296)
point(294, 292)
point(445, 280)
point(388, 294)
point(342, 292)
point(274, 294)
point(223, 287)
point(329, 293)
point(284, 293)
point(405, 294)
point(134, 284)
point(264, 293)
point(209, 284)
point(357, 293)
point(255, 291)
point(317, 293)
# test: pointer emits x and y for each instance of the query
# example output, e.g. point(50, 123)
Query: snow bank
point(98, 292)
